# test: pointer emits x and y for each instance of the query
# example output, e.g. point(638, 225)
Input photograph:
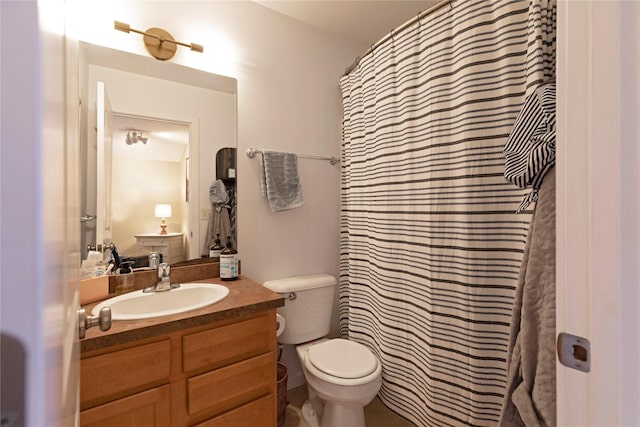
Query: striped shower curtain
point(430, 242)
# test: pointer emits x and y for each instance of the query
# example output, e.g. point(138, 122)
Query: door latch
point(574, 352)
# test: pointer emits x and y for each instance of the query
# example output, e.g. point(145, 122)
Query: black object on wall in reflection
point(226, 171)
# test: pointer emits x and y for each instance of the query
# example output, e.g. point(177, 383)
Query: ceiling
point(360, 21)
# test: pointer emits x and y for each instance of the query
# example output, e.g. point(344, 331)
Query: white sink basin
point(140, 305)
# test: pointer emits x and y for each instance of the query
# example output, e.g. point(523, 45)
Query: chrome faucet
point(164, 284)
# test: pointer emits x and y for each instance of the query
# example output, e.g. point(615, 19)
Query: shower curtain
point(430, 243)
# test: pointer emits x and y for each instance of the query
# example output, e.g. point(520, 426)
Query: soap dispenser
point(126, 279)
point(229, 262)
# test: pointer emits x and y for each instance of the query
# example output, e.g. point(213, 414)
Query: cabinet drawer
point(260, 412)
point(234, 385)
point(226, 344)
point(152, 241)
point(132, 370)
point(150, 408)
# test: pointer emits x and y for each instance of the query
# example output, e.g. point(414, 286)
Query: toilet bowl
point(345, 375)
point(342, 376)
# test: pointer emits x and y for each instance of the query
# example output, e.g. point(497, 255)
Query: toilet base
point(336, 415)
point(309, 415)
point(333, 415)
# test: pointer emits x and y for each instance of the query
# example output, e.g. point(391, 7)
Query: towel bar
point(251, 153)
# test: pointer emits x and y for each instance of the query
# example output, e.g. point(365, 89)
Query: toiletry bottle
point(154, 260)
point(229, 262)
point(126, 279)
point(216, 248)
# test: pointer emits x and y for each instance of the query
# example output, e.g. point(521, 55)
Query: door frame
point(598, 208)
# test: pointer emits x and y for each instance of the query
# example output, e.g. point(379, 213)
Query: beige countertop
point(245, 297)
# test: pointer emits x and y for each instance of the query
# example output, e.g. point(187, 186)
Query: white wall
point(288, 99)
point(140, 185)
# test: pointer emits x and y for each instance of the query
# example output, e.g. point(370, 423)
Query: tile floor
point(376, 414)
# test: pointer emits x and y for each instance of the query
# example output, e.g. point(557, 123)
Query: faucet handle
point(163, 270)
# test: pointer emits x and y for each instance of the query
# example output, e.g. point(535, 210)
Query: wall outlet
point(204, 214)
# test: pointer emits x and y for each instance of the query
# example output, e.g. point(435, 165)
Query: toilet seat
point(343, 359)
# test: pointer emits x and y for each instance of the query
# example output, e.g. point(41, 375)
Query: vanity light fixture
point(158, 42)
point(133, 137)
point(163, 211)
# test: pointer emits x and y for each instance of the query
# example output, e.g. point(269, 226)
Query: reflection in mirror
point(226, 171)
point(149, 169)
point(222, 196)
point(168, 124)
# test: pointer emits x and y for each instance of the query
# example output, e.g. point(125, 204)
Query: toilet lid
point(342, 358)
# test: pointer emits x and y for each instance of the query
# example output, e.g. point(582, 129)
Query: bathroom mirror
point(162, 132)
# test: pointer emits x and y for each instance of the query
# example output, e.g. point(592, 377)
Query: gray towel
point(530, 394)
point(218, 194)
point(279, 180)
point(219, 222)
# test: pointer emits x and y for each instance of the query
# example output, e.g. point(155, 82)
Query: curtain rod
point(251, 153)
point(403, 27)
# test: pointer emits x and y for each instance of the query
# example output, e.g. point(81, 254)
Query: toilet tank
point(308, 306)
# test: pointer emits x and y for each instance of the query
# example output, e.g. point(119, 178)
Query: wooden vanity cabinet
point(221, 374)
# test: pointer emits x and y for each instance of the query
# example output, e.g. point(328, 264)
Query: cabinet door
point(147, 409)
point(116, 374)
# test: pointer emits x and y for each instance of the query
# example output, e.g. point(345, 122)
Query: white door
point(598, 195)
point(39, 213)
point(104, 159)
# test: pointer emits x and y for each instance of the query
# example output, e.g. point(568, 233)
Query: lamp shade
point(163, 211)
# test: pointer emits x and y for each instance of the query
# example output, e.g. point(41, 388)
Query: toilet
point(342, 376)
